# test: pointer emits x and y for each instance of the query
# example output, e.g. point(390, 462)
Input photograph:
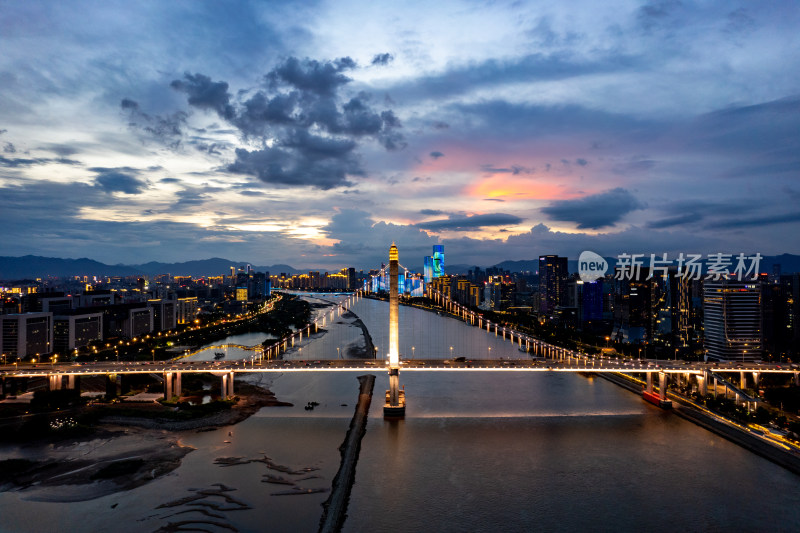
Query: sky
point(316, 133)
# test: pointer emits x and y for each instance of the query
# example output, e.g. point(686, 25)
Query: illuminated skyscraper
point(552, 282)
point(438, 260)
point(427, 269)
point(732, 320)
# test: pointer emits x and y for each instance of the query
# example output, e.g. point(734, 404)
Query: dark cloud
point(206, 94)
point(419, 179)
point(582, 162)
point(321, 78)
point(9, 148)
point(167, 128)
point(493, 200)
point(694, 212)
point(594, 211)
point(301, 159)
point(471, 222)
point(170, 180)
point(64, 150)
point(767, 220)
point(432, 212)
point(382, 59)
point(436, 155)
point(31, 162)
point(439, 125)
point(527, 69)
point(309, 131)
point(513, 169)
point(117, 180)
point(658, 14)
point(209, 148)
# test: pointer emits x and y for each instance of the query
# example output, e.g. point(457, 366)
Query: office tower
point(76, 329)
point(26, 335)
point(427, 269)
point(732, 320)
point(552, 282)
point(634, 315)
point(438, 260)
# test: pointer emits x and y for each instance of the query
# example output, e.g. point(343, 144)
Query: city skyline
point(316, 134)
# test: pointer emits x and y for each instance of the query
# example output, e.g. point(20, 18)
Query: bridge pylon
point(395, 406)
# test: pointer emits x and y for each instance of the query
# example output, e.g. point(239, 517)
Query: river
point(476, 452)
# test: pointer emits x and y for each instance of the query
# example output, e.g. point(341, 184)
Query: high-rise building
point(732, 320)
point(26, 334)
point(427, 269)
point(634, 315)
point(553, 277)
point(76, 330)
point(438, 260)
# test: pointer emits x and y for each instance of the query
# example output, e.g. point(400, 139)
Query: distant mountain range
point(33, 266)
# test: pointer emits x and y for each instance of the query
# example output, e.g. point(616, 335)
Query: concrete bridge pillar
point(223, 389)
point(112, 386)
point(55, 381)
point(662, 385)
point(178, 384)
point(649, 382)
point(702, 384)
point(742, 380)
point(168, 386)
point(756, 375)
point(230, 385)
point(71, 381)
point(797, 379)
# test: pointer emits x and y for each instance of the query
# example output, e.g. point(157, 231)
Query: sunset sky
point(316, 133)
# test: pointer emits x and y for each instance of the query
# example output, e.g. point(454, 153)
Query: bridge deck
point(361, 365)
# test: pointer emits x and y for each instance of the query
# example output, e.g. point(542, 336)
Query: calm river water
point(476, 452)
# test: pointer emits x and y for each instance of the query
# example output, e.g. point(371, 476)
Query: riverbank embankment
point(335, 507)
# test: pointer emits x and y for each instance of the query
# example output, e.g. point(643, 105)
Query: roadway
point(568, 364)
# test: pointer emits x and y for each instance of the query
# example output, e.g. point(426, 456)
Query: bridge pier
point(662, 385)
point(55, 381)
point(178, 384)
point(797, 379)
point(226, 389)
point(71, 381)
point(649, 382)
point(167, 386)
point(742, 380)
point(113, 385)
point(702, 384)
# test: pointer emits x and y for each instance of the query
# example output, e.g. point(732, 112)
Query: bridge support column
point(742, 380)
point(797, 379)
point(702, 384)
point(756, 375)
point(649, 382)
point(112, 386)
point(662, 385)
point(55, 381)
point(167, 386)
point(230, 385)
point(71, 381)
point(178, 384)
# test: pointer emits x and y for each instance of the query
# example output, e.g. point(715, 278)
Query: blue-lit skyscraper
point(438, 260)
point(427, 269)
